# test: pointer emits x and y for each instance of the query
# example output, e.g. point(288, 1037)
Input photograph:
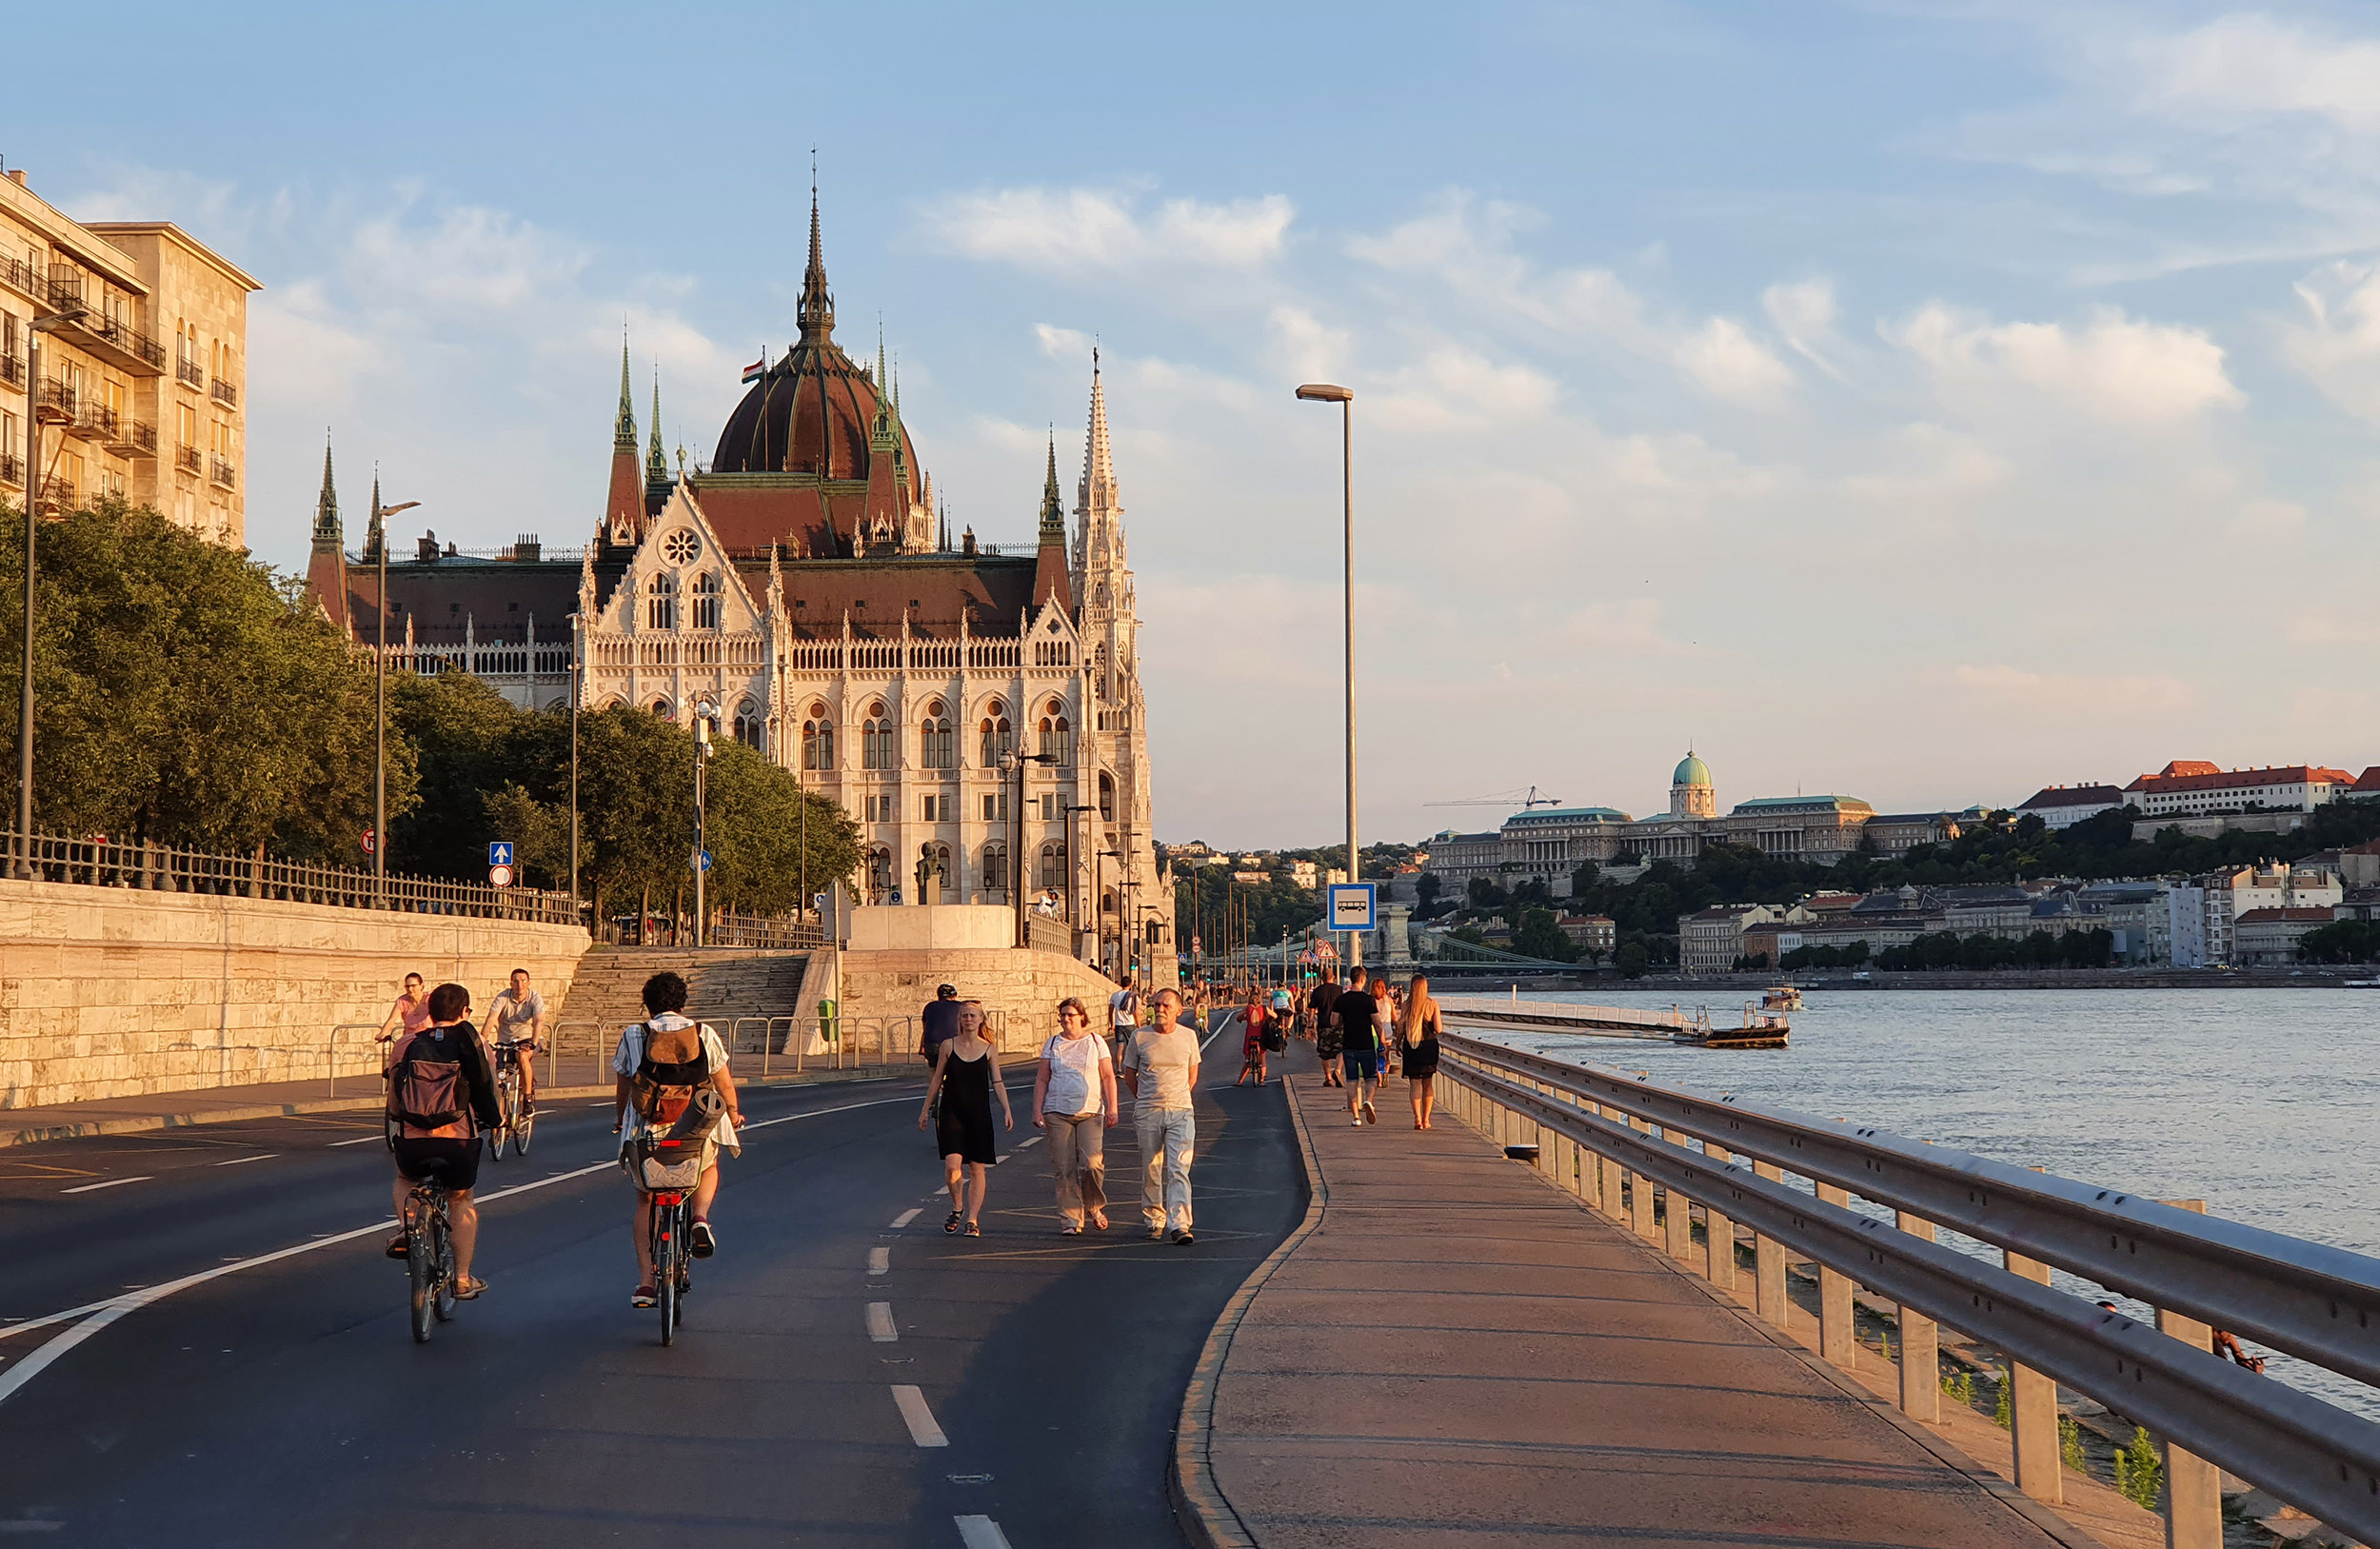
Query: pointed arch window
point(993, 732)
point(1057, 732)
point(1107, 797)
point(660, 602)
point(880, 873)
point(748, 724)
point(818, 738)
point(1054, 864)
point(875, 739)
point(937, 747)
point(707, 593)
point(996, 870)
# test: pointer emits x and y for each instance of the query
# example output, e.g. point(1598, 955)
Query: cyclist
point(517, 1022)
point(669, 1051)
point(410, 1014)
point(441, 1095)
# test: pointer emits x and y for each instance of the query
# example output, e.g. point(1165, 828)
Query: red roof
point(2193, 775)
point(2369, 779)
point(2058, 796)
point(2271, 917)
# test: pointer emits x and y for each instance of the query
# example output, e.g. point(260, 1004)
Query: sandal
point(972, 1230)
point(1098, 1222)
point(646, 1296)
point(469, 1290)
point(951, 1224)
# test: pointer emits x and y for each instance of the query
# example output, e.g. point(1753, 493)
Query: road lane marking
point(922, 1428)
point(880, 1323)
point(878, 1261)
point(905, 1217)
point(113, 1182)
point(91, 1317)
point(358, 1140)
point(981, 1533)
point(261, 1156)
point(1034, 1141)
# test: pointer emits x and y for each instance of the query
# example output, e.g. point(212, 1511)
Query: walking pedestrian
point(1074, 1102)
point(1256, 1018)
point(1358, 1016)
point(1417, 1036)
point(938, 1022)
point(1160, 1070)
point(1325, 999)
point(1123, 1010)
point(967, 1075)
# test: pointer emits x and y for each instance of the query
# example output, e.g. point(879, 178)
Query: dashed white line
point(113, 1182)
point(904, 1218)
point(879, 1322)
point(358, 1140)
point(878, 1261)
point(1034, 1141)
point(261, 1156)
point(981, 1533)
point(921, 1420)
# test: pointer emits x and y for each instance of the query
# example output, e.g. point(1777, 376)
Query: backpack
point(426, 1094)
point(662, 1092)
point(1273, 1041)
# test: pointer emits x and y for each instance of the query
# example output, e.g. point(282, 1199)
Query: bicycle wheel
point(420, 1269)
point(504, 1105)
point(520, 1127)
point(665, 1271)
point(443, 1301)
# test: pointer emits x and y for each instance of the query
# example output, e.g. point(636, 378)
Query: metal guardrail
point(2317, 1302)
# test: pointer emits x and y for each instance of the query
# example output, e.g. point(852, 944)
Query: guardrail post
point(2032, 1411)
point(1837, 1340)
point(1718, 1237)
point(2193, 1488)
point(1768, 1267)
point(1677, 1212)
point(1920, 1345)
point(1640, 1192)
point(1592, 1173)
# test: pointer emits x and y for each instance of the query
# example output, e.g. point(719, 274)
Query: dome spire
point(624, 427)
point(818, 303)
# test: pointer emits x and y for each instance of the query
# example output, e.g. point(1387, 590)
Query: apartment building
point(143, 345)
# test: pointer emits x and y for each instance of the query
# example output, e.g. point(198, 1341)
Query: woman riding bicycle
point(668, 1051)
point(442, 1146)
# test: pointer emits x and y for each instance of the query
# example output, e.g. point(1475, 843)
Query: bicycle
point(510, 1121)
point(430, 1257)
point(673, 1272)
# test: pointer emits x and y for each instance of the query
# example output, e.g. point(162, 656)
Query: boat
point(1761, 1030)
point(1781, 997)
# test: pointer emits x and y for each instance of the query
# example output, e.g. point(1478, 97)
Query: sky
point(1919, 402)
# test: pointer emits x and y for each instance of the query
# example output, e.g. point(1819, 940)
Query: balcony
point(20, 276)
point(13, 371)
point(94, 420)
point(53, 403)
point(12, 469)
point(189, 372)
point(57, 494)
point(222, 472)
point(186, 460)
point(131, 438)
point(225, 393)
point(117, 342)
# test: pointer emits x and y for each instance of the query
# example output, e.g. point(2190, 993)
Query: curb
point(140, 1124)
point(1206, 1518)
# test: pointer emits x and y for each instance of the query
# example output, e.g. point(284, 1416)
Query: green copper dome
point(1690, 771)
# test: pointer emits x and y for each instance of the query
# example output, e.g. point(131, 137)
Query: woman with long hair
point(966, 1078)
point(1074, 1102)
point(1417, 1042)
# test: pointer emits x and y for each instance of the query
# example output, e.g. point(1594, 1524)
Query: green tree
point(469, 743)
point(1538, 936)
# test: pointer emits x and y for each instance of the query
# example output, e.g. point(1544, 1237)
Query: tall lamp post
point(1071, 811)
point(1324, 392)
point(1016, 859)
point(578, 657)
point(705, 711)
point(33, 482)
point(380, 686)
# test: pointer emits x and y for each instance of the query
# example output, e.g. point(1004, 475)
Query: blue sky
point(1919, 402)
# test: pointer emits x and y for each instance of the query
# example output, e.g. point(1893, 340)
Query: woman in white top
point(1074, 1100)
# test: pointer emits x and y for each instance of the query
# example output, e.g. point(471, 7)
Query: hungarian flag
point(758, 368)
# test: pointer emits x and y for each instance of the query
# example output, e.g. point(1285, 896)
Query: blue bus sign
point(1353, 905)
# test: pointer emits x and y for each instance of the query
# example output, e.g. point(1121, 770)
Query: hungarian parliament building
point(804, 585)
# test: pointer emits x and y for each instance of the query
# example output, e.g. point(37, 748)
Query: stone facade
point(111, 992)
point(881, 993)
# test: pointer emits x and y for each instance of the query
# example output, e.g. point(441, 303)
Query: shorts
point(1360, 1064)
point(438, 1159)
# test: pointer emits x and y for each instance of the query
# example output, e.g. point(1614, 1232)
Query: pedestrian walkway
point(1457, 1353)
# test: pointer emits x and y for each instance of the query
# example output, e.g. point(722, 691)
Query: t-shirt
point(1124, 1008)
point(631, 1054)
point(1357, 1012)
point(1075, 1087)
point(941, 1021)
point(1280, 1000)
point(1319, 1000)
point(1164, 1057)
point(510, 1019)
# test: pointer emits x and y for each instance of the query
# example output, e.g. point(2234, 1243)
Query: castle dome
point(1690, 771)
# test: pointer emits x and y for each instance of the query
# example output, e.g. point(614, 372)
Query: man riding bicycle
point(441, 1095)
point(661, 1063)
point(517, 1021)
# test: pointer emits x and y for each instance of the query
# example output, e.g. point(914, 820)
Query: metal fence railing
point(100, 863)
point(1639, 1153)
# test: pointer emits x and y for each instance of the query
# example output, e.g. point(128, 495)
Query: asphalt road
point(283, 1403)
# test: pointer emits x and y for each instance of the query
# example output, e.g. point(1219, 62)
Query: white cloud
point(1729, 364)
point(2254, 64)
point(2112, 368)
point(1311, 350)
point(1803, 315)
point(1453, 387)
point(1061, 344)
point(2338, 342)
point(1080, 230)
point(1623, 628)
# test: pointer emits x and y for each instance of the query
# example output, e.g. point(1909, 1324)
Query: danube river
point(2264, 1104)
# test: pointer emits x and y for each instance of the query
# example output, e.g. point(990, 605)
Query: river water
point(2264, 1104)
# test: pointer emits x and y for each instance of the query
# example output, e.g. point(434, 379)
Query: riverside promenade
point(1448, 1350)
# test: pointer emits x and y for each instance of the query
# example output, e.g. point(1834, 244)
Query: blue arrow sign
point(499, 853)
point(701, 860)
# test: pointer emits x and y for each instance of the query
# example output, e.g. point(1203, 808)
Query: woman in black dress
point(966, 1078)
point(1417, 1041)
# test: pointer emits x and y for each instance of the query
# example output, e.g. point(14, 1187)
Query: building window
point(1049, 808)
point(993, 732)
point(661, 707)
point(996, 868)
point(748, 725)
point(875, 741)
point(1107, 797)
point(660, 602)
point(818, 740)
point(937, 747)
point(1057, 735)
point(995, 807)
point(706, 594)
point(941, 809)
point(1054, 864)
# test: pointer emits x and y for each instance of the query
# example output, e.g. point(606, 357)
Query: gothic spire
point(1098, 494)
point(886, 435)
point(1053, 514)
point(818, 303)
point(624, 429)
point(328, 532)
point(656, 461)
point(378, 534)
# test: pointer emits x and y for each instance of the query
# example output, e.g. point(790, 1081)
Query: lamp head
point(1325, 392)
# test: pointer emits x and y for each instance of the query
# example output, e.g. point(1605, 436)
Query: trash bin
point(826, 1021)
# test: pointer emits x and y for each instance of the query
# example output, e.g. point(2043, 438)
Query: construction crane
point(1510, 798)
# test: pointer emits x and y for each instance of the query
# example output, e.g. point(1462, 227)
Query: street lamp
point(1071, 811)
point(32, 513)
point(380, 689)
point(705, 711)
point(1324, 392)
point(1016, 857)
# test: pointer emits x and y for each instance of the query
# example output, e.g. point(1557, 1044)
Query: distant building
point(1457, 860)
point(2062, 807)
point(1550, 845)
point(1709, 941)
point(1590, 932)
point(2232, 894)
point(1194, 849)
point(1894, 834)
point(2268, 938)
point(2194, 786)
point(1252, 879)
point(1305, 873)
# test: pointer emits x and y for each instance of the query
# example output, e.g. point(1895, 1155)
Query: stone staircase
point(723, 984)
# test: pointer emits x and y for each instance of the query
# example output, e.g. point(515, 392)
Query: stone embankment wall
point(113, 992)
point(881, 993)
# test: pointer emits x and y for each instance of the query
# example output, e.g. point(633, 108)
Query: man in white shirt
point(1161, 1069)
point(518, 1017)
point(1124, 1011)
